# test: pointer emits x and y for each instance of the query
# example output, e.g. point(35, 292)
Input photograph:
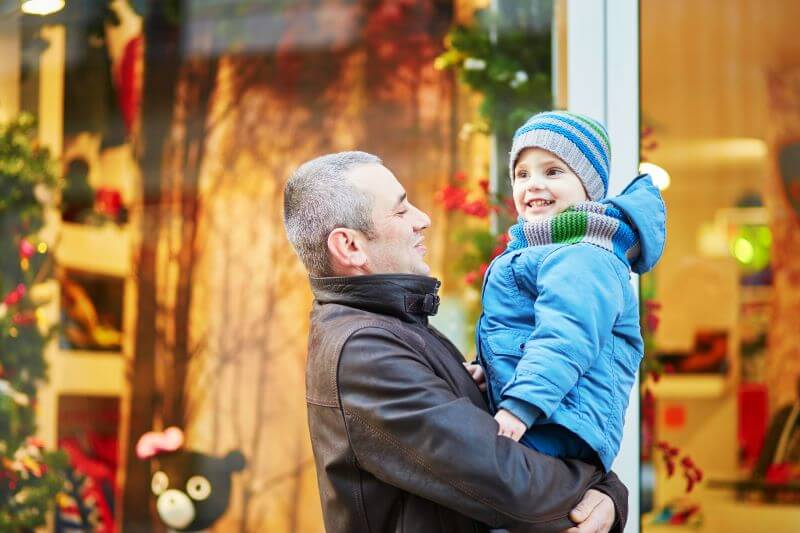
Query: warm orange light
point(42, 7)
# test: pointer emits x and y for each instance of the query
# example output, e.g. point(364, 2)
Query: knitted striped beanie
point(581, 142)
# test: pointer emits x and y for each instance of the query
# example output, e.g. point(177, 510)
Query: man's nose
point(423, 220)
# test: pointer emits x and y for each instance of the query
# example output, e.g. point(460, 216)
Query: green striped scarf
point(595, 223)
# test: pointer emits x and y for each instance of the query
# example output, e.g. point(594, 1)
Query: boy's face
point(544, 185)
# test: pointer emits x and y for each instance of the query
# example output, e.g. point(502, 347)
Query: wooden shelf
point(688, 386)
point(87, 373)
point(100, 249)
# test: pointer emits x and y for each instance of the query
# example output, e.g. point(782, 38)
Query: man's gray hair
point(319, 198)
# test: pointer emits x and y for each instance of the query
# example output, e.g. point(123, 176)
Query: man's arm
point(408, 428)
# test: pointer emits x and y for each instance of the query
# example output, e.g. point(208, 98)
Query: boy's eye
point(521, 174)
point(554, 171)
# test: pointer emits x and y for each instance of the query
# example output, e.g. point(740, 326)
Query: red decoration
point(24, 318)
point(691, 472)
point(675, 416)
point(452, 197)
point(129, 81)
point(14, 297)
point(476, 208)
point(651, 309)
point(26, 249)
point(108, 201)
point(753, 416)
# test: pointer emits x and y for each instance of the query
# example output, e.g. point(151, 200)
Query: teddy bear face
point(192, 489)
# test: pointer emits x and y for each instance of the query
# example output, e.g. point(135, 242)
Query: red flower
point(670, 467)
point(648, 399)
point(452, 197)
point(23, 319)
point(108, 201)
point(484, 185)
point(15, 296)
point(476, 208)
point(26, 249)
point(35, 441)
point(510, 207)
point(460, 176)
point(476, 275)
point(651, 314)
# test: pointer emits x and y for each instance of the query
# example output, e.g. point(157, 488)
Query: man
point(402, 437)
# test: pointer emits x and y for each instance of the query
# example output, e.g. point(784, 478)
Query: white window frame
point(603, 82)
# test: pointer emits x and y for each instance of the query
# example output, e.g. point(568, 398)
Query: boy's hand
point(510, 426)
point(478, 375)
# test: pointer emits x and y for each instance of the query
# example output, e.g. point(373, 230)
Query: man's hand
point(510, 426)
point(594, 514)
point(478, 375)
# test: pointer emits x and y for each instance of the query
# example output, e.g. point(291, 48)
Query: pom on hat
point(580, 141)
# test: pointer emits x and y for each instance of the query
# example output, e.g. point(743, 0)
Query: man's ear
point(347, 252)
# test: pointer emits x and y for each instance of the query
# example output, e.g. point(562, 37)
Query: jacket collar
point(409, 297)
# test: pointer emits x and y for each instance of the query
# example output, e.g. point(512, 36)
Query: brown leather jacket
point(402, 437)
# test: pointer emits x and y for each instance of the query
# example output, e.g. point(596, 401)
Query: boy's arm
point(408, 428)
point(579, 299)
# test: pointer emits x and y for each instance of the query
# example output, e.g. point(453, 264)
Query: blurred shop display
point(727, 119)
point(88, 429)
point(192, 489)
point(82, 204)
point(775, 476)
point(178, 300)
point(91, 311)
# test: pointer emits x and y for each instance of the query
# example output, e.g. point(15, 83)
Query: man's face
point(397, 244)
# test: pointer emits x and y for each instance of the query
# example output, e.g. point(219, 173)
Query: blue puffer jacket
point(559, 336)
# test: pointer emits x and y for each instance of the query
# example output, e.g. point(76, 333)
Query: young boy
point(559, 337)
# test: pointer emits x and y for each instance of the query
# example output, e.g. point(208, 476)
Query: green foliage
point(29, 477)
point(507, 58)
point(23, 166)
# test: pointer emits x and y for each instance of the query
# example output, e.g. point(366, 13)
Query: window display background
point(215, 303)
point(705, 70)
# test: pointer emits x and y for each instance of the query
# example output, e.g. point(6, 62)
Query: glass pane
point(154, 317)
point(719, 115)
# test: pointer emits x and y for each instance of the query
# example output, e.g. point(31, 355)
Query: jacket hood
point(642, 203)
